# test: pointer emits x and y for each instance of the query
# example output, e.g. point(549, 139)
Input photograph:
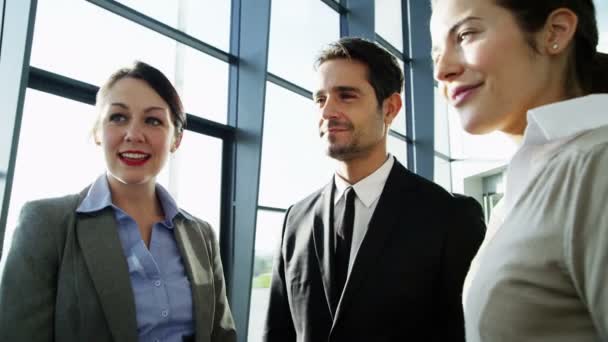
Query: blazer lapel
point(324, 241)
point(198, 268)
point(107, 266)
point(393, 199)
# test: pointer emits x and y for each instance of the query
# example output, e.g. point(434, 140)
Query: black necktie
point(344, 237)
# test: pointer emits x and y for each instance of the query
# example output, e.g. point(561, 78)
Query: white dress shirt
point(541, 273)
point(368, 191)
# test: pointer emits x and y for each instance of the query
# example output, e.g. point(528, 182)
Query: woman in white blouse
point(531, 70)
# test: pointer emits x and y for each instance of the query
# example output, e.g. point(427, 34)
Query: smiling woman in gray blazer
point(118, 261)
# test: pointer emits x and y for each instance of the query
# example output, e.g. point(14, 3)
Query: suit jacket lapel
point(324, 241)
point(198, 268)
point(105, 260)
point(393, 199)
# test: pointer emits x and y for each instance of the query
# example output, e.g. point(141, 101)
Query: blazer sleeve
point(223, 323)
point(29, 282)
point(465, 231)
point(279, 324)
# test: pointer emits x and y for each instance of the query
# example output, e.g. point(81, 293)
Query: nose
point(134, 133)
point(329, 109)
point(448, 66)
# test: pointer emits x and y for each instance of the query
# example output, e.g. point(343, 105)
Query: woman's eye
point(154, 121)
point(117, 117)
point(465, 35)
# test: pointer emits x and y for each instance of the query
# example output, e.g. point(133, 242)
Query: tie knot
point(350, 195)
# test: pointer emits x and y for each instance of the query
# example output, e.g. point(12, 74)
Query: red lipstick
point(133, 158)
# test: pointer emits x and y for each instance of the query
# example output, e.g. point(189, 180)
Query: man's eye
point(320, 100)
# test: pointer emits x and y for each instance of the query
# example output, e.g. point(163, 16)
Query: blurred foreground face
point(136, 132)
point(484, 65)
point(351, 123)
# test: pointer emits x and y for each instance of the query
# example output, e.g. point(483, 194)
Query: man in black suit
point(379, 253)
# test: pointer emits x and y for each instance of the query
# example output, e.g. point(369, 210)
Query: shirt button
point(165, 313)
point(157, 283)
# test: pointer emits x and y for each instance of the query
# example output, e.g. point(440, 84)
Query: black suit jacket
point(406, 280)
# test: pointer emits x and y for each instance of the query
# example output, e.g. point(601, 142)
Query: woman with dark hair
point(119, 261)
point(531, 70)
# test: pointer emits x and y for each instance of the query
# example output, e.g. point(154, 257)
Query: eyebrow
point(454, 28)
point(149, 109)
point(339, 89)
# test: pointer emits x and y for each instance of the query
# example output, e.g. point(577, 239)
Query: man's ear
point(559, 31)
point(391, 107)
point(176, 141)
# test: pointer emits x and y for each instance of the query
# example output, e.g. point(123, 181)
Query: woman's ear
point(177, 140)
point(560, 29)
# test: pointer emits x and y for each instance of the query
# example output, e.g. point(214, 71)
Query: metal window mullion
point(419, 92)
point(288, 85)
point(249, 42)
point(17, 31)
point(359, 19)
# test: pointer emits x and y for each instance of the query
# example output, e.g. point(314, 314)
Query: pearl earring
point(555, 46)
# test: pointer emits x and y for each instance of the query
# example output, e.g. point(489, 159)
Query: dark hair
point(157, 81)
point(587, 66)
point(383, 71)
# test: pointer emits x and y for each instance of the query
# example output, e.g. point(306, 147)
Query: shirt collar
point(99, 197)
point(369, 188)
point(566, 118)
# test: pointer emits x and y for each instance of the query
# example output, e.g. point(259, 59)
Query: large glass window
point(388, 21)
point(292, 149)
point(104, 42)
point(56, 153)
point(298, 31)
point(206, 20)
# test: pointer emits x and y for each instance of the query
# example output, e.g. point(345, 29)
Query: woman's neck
point(137, 200)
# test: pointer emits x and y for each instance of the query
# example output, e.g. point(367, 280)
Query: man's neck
point(356, 169)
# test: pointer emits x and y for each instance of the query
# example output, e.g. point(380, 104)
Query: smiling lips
point(134, 158)
point(459, 94)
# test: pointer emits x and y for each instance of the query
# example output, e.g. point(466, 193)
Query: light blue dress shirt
point(162, 292)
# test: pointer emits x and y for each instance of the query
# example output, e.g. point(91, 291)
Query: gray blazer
point(66, 278)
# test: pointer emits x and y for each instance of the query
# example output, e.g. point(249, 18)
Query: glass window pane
point(196, 177)
point(267, 239)
point(91, 54)
point(443, 173)
point(294, 163)
point(388, 21)
point(51, 159)
point(601, 9)
point(298, 31)
point(206, 20)
point(398, 148)
point(442, 143)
